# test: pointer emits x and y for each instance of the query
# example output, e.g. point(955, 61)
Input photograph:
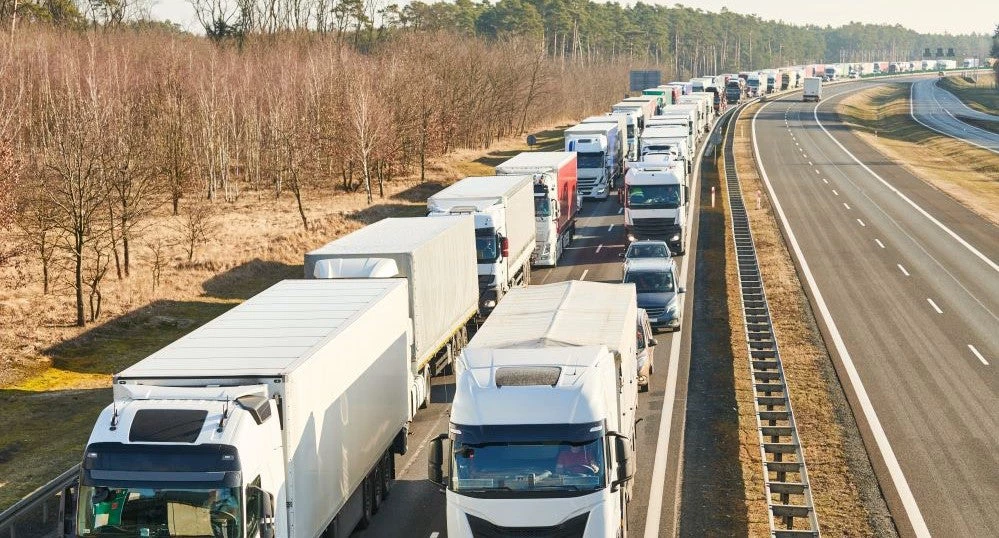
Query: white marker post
point(712, 196)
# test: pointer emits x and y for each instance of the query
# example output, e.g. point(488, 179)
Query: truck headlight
point(490, 303)
point(676, 237)
point(631, 238)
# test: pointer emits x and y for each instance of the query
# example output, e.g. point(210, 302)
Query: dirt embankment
point(880, 116)
point(844, 490)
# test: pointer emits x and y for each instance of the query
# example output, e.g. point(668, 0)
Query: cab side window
point(254, 508)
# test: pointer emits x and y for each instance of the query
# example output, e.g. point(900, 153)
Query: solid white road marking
point(655, 507)
point(934, 305)
point(977, 354)
point(942, 226)
point(863, 399)
point(913, 116)
point(846, 205)
point(599, 247)
point(880, 244)
point(900, 268)
point(583, 276)
point(861, 223)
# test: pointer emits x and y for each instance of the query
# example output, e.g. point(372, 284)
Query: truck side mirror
point(266, 512)
point(440, 448)
point(653, 342)
point(686, 195)
point(504, 247)
point(625, 463)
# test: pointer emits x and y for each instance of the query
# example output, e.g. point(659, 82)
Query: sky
point(953, 16)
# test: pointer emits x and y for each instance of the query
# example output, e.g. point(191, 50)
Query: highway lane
point(416, 508)
point(908, 276)
point(938, 109)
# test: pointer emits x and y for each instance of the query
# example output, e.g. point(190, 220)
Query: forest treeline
point(101, 129)
point(682, 41)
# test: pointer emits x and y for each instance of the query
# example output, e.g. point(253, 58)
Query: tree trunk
point(78, 274)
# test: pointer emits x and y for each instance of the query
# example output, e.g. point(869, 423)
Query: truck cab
point(593, 180)
point(655, 203)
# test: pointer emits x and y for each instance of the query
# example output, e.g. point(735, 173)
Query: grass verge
point(55, 379)
point(841, 479)
point(880, 116)
point(981, 95)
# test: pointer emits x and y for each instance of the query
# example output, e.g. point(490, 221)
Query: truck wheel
point(388, 474)
point(377, 487)
point(367, 504)
point(426, 389)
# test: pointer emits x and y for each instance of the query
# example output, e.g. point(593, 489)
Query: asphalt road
point(909, 280)
point(415, 507)
point(938, 109)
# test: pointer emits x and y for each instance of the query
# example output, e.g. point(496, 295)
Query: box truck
point(649, 104)
point(668, 139)
point(279, 418)
point(813, 89)
point(503, 207)
point(617, 159)
point(554, 174)
point(674, 119)
point(733, 91)
point(542, 427)
point(655, 203)
point(428, 255)
point(600, 155)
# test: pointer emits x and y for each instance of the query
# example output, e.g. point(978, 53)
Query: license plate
point(653, 320)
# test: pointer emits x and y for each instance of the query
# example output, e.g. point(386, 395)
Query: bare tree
point(197, 223)
point(367, 119)
point(73, 115)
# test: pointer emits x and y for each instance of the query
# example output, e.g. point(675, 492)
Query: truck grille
point(655, 227)
point(572, 528)
point(586, 181)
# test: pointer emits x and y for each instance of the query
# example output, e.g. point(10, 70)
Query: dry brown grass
point(54, 378)
point(968, 174)
point(837, 500)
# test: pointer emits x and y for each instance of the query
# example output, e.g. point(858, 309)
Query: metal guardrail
point(46, 512)
point(788, 492)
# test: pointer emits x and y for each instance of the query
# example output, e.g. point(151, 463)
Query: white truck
point(668, 138)
point(655, 202)
point(428, 255)
point(554, 174)
point(813, 89)
point(688, 114)
point(258, 423)
point(635, 114)
point(615, 159)
point(503, 207)
point(705, 107)
point(599, 151)
point(542, 427)
point(674, 121)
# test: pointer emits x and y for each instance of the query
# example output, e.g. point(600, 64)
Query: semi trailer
point(428, 255)
point(542, 426)
point(503, 208)
point(554, 174)
point(600, 149)
point(813, 89)
point(278, 419)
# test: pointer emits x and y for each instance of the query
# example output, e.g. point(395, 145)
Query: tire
point(377, 487)
point(367, 505)
point(426, 385)
point(388, 475)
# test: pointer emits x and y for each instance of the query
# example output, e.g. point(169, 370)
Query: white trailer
point(599, 147)
point(430, 255)
point(813, 89)
point(279, 418)
point(542, 426)
point(503, 207)
point(554, 175)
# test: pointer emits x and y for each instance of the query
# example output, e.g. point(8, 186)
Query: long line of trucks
point(283, 416)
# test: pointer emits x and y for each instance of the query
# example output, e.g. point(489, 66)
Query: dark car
point(658, 288)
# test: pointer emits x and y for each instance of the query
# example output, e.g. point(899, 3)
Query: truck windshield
point(590, 160)
point(142, 512)
point(650, 281)
point(654, 196)
point(531, 466)
point(486, 245)
point(542, 207)
point(631, 130)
